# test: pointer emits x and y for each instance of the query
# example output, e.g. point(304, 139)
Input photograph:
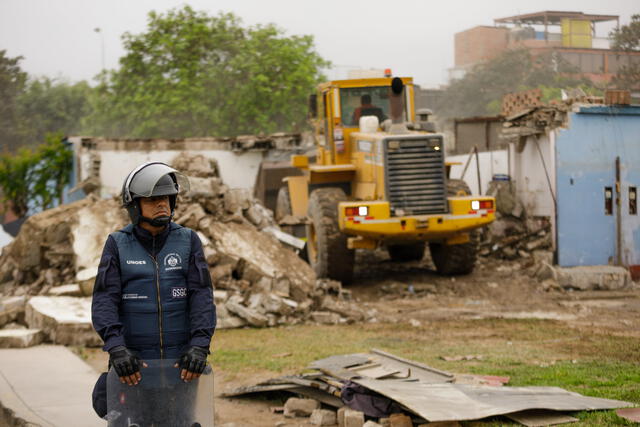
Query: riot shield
point(161, 398)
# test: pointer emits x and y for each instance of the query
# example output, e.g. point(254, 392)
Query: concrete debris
point(20, 338)
point(511, 238)
point(295, 407)
point(259, 281)
point(400, 420)
point(371, 424)
point(323, 417)
point(64, 320)
point(395, 391)
point(597, 277)
point(353, 418)
point(11, 308)
point(71, 290)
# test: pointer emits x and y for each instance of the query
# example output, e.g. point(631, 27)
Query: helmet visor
point(155, 180)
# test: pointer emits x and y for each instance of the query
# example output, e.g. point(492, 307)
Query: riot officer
point(153, 297)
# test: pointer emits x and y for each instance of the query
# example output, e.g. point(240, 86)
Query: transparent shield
point(161, 399)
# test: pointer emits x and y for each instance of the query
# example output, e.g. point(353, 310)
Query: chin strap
point(160, 221)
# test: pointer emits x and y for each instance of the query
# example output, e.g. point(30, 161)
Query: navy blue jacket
point(108, 296)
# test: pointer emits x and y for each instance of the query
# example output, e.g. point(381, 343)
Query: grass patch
point(531, 352)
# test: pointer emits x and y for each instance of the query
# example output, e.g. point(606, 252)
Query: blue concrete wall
point(585, 164)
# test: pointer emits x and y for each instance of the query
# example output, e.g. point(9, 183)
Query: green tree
point(627, 39)
point(191, 74)
point(36, 178)
point(481, 90)
point(12, 81)
point(50, 105)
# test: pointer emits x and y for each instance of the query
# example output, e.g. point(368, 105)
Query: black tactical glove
point(194, 359)
point(124, 361)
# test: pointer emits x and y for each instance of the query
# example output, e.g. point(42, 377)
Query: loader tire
point(457, 187)
point(454, 259)
point(283, 203)
point(407, 252)
point(326, 245)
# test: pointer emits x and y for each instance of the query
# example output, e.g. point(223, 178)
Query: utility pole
point(99, 31)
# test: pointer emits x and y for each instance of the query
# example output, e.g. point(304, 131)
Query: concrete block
point(340, 415)
point(371, 424)
point(596, 277)
point(400, 420)
point(323, 417)
point(295, 407)
point(253, 317)
point(65, 320)
point(353, 418)
point(11, 308)
point(226, 320)
point(325, 317)
point(20, 338)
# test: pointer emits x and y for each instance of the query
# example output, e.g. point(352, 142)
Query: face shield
point(153, 179)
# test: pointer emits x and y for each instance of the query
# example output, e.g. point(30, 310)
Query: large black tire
point(283, 203)
point(454, 259)
point(457, 187)
point(407, 252)
point(326, 245)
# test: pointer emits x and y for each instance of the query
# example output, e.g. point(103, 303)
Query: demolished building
point(574, 164)
point(259, 281)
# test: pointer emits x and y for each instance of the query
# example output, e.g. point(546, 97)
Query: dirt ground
point(413, 292)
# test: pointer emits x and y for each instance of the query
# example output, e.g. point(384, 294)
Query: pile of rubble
point(513, 235)
point(381, 389)
point(258, 280)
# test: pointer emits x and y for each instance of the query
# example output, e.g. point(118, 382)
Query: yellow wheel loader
point(379, 179)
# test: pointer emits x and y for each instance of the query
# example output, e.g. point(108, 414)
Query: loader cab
point(339, 104)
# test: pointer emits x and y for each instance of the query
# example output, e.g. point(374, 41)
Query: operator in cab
point(366, 108)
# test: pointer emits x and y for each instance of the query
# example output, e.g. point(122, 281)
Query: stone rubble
point(296, 407)
point(258, 280)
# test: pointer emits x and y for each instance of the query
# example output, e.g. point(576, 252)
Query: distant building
point(572, 35)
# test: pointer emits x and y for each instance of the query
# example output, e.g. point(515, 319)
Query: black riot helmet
point(150, 180)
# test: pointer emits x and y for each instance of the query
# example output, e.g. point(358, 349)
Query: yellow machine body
point(355, 161)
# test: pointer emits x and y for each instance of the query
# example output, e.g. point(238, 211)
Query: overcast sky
point(412, 37)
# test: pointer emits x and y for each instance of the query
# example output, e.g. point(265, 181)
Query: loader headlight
point(357, 211)
point(481, 204)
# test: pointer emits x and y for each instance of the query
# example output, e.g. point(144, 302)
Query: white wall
point(237, 170)
point(528, 173)
point(491, 163)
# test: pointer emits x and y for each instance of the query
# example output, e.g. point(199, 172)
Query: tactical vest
point(154, 304)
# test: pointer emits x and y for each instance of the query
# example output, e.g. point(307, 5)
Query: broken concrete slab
point(597, 277)
point(253, 317)
point(326, 317)
point(64, 320)
point(70, 290)
point(295, 407)
point(226, 320)
point(11, 308)
point(20, 338)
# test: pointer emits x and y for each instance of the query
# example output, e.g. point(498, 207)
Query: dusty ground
point(414, 293)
